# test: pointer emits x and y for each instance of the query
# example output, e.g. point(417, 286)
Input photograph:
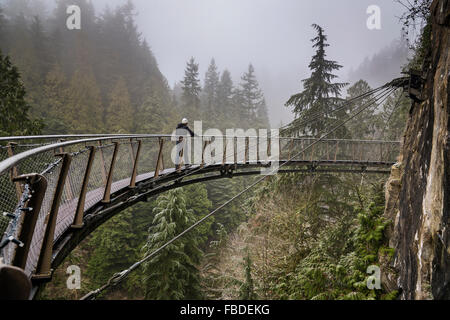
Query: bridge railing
point(47, 183)
point(339, 150)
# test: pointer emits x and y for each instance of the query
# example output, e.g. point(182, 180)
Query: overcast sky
point(274, 35)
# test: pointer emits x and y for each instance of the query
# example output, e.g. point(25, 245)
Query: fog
point(273, 35)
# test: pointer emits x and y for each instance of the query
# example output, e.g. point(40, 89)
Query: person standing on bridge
point(183, 131)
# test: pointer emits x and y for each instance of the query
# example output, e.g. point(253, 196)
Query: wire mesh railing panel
point(3, 153)
point(167, 161)
point(148, 156)
point(51, 175)
point(242, 149)
point(99, 175)
point(123, 166)
point(13, 227)
point(71, 191)
point(8, 199)
point(37, 163)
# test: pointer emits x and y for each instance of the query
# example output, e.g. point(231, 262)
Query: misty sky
point(274, 35)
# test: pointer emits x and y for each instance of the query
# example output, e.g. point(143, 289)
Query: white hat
point(184, 121)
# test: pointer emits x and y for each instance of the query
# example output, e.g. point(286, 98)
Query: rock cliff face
point(418, 191)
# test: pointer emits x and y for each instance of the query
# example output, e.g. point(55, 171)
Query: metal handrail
point(143, 135)
point(14, 160)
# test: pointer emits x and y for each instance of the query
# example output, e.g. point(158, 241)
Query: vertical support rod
point(247, 146)
point(69, 178)
point(159, 160)
point(257, 149)
point(362, 151)
point(107, 194)
point(335, 154)
point(43, 269)
point(291, 147)
point(38, 186)
point(102, 162)
point(78, 219)
point(205, 144)
point(224, 150)
point(328, 153)
point(235, 151)
point(381, 152)
point(14, 171)
point(132, 156)
point(135, 165)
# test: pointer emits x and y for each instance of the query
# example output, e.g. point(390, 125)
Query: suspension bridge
point(56, 190)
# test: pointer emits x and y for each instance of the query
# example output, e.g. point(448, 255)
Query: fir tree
point(197, 201)
point(391, 121)
point(119, 114)
point(320, 96)
point(210, 89)
point(84, 110)
point(54, 96)
point(228, 109)
point(172, 273)
point(362, 126)
point(247, 290)
point(14, 118)
point(250, 96)
point(191, 89)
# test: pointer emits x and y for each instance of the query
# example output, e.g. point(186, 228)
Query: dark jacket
point(181, 130)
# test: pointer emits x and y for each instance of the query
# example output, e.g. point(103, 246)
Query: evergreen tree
point(191, 89)
point(391, 121)
point(84, 110)
point(3, 26)
point(247, 288)
point(117, 244)
point(197, 201)
point(250, 95)
point(14, 118)
point(40, 64)
point(116, 247)
point(363, 125)
point(54, 97)
point(172, 274)
point(119, 114)
point(210, 89)
point(219, 191)
point(263, 115)
point(320, 96)
point(225, 107)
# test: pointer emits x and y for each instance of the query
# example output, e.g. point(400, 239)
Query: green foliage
point(197, 201)
point(251, 100)
point(116, 245)
point(14, 110)
point(191, 91)
point(210, 90)
point(333, 230)
point(219, 192)
point(173, 272)
point(363, 125)
point(391, 121)
point(91, 80)
point(247, 291)
point(119, 114)
point(320, 95)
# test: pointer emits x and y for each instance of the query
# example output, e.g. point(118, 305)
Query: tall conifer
point(320, 95)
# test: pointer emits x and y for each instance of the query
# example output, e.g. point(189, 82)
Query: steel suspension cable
point(119, 277)
point(190, 172)
point(315, 116)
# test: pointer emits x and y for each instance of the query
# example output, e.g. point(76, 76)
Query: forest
point(296, 236)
